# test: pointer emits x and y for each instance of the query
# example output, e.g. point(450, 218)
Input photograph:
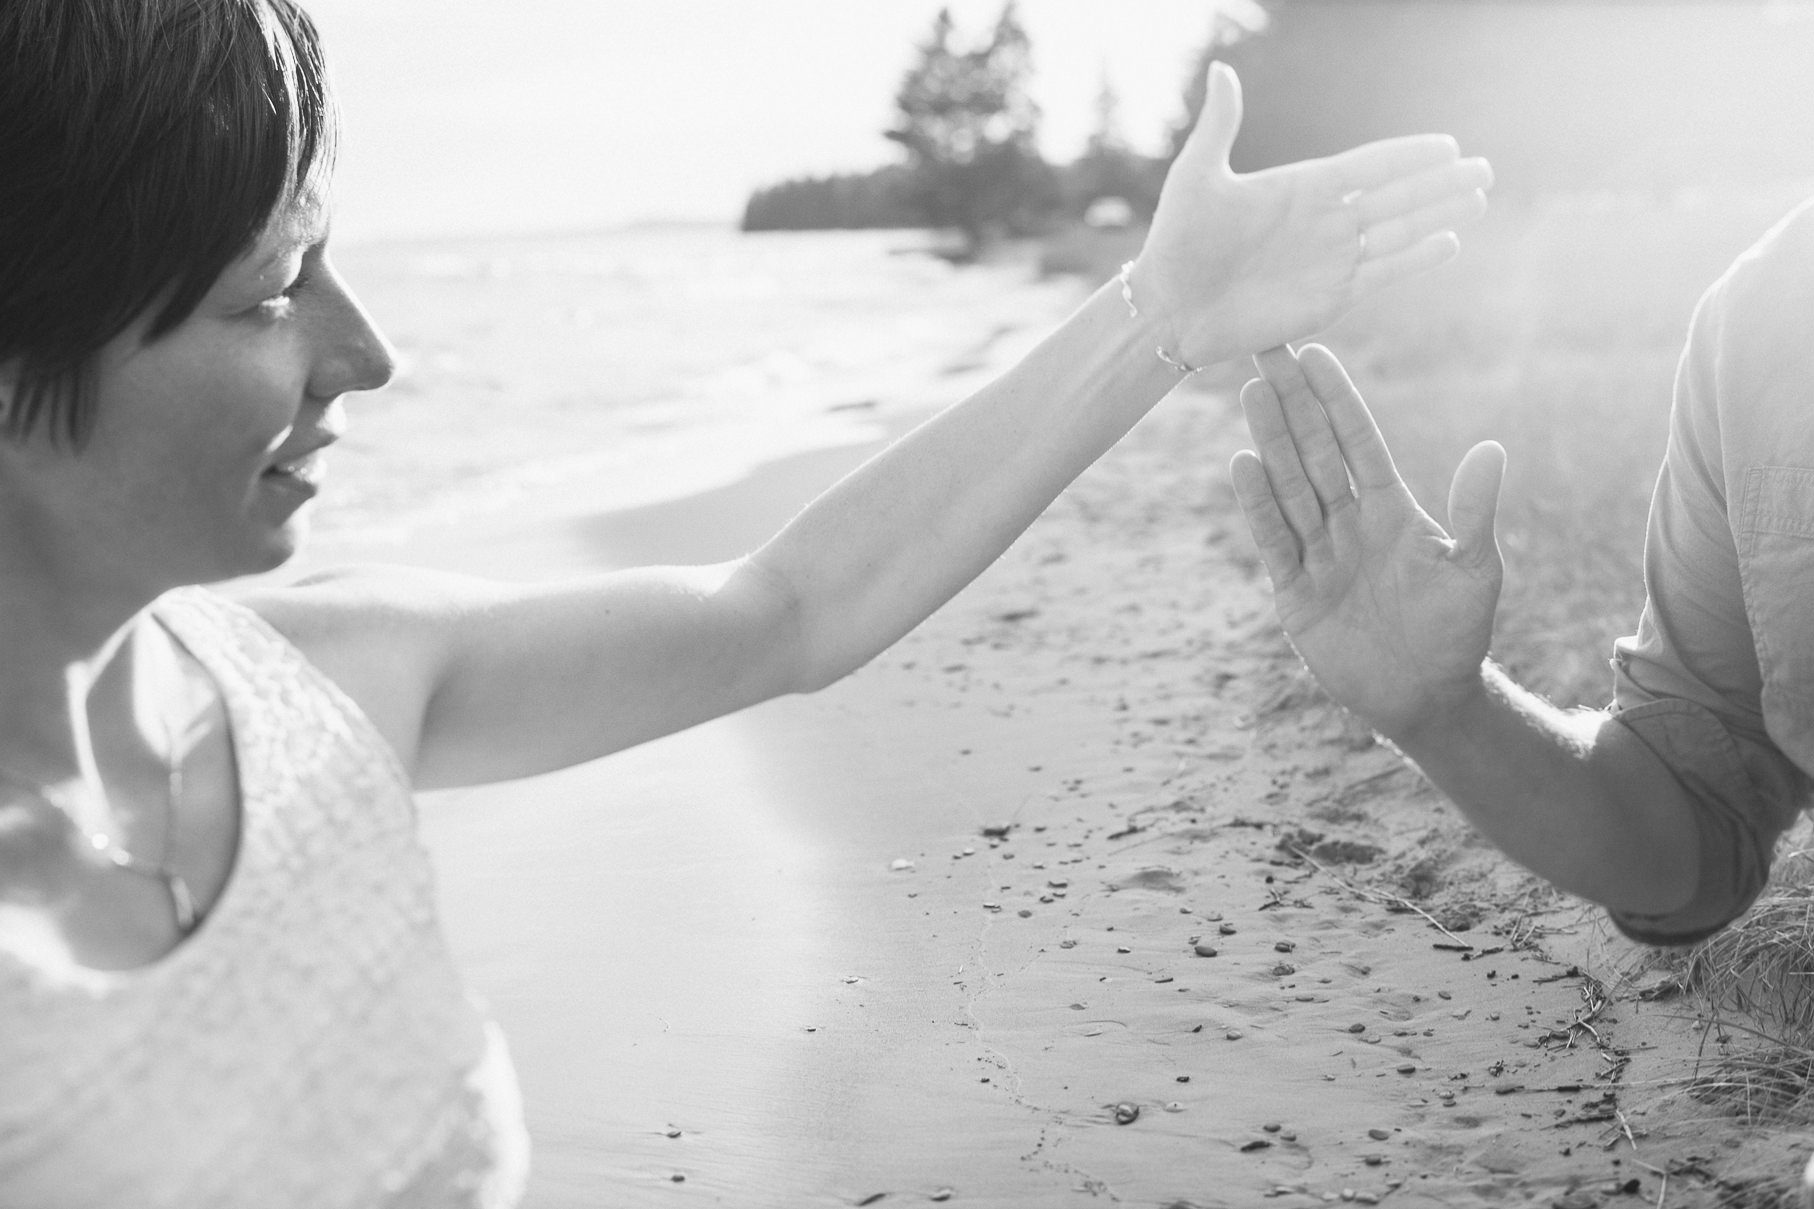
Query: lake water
point(647, 364)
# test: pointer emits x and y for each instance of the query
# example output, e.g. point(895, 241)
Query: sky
point(498, 116)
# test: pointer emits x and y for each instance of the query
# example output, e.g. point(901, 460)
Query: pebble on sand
point(1202, 950)
point(1126, 1113)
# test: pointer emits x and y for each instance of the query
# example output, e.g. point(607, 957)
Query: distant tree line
point(851, 200)
point(969, 128)
point(1560, 94)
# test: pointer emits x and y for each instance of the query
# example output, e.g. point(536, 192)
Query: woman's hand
point(1235, 264)
point(1392, 614)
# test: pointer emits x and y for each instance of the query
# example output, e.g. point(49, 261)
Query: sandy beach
point(1081, 895)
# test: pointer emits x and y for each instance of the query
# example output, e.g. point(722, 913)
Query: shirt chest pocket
point(1775, 538)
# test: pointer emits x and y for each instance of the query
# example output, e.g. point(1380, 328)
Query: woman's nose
point(357, 356)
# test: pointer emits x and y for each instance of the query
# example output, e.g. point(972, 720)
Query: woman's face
point(208, 442)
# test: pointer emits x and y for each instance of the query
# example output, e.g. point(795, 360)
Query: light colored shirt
point(1719, 679)
point(311, 1044)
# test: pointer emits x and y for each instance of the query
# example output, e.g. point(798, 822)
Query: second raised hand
point(1245, 261)
point(1392, 613)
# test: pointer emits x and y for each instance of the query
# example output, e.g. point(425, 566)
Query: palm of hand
point(1390, 612)
point(1280, 262)
point(1390, 616)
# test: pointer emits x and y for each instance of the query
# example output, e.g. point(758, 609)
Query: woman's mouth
point(307, 471)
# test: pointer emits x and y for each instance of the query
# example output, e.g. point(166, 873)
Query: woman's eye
point(283, 296)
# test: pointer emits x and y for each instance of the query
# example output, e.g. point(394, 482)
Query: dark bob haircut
point(144, 145)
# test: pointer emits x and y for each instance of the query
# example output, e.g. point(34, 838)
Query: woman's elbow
point(807, 644)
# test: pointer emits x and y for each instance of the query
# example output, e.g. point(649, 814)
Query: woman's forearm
point(1571, 795)
point(883, 548)
point(1232, 264)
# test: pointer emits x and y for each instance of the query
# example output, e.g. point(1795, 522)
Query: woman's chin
point(284, 544)
point(261, 553)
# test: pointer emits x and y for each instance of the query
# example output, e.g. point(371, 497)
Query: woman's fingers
point(1368, 459)
point(1376, 273)
point(1420, 190)
point(1277, 544)
point(1374, 164)
point(1312, 438)
point(1290, 487)
point(1395, 234)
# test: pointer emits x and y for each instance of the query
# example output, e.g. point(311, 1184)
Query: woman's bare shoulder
point(381, 633)
point(356, 602)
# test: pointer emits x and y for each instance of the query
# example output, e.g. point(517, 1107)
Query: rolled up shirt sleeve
point(1738, 816)
point(1689, 684)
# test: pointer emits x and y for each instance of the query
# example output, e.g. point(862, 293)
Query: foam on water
point(631, 367)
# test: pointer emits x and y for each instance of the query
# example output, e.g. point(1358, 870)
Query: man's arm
point(1394, 616)
point(475, 682)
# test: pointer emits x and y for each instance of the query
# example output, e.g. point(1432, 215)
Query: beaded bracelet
point(1127, 296)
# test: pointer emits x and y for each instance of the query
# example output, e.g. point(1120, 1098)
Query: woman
point(221, 975)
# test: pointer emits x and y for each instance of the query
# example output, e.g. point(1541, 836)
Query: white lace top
point(311, 1044)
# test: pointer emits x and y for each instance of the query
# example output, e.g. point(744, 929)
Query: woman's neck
point(65, 659)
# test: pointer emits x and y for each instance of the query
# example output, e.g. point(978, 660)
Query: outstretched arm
point(1232, 264)
point(476, 682)
point(1394, 616)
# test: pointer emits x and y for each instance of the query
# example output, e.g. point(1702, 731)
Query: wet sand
point(1081, 895)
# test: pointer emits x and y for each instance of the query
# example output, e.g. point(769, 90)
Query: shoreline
point(1099, 757)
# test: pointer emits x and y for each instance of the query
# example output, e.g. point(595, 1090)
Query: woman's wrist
point(1146, 306)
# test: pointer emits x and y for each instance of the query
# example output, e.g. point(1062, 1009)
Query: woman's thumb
point(1220, 120)
point(1474, 500)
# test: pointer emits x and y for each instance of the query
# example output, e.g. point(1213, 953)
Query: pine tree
point(970, 127)
point(1107, 137)
point(1109, 167)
